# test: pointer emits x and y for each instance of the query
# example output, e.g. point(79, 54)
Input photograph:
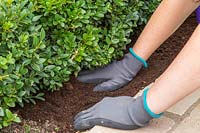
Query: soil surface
point(57, 112)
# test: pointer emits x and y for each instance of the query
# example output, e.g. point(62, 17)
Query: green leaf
point(5, 124)
point(1, 112)
point(108, 41)
point(40, 94)
point(21, 93)
point(42, 34)
point(9, 101)
point(19, 84)
point(40, 98)
point(17, 119)
point(35, 67)
point(26, 62)
point(19, 99)
point(111, 50)
point(42, 60)
point(115, 41)
point(24, 71)
point(9, 114)
point(49, 67)
point(100, 15)
point(36, 18)
point(32, 101)
point(35, 41)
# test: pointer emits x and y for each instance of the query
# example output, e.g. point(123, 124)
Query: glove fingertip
point(103, 87)
point(85, 72)
point(84, 79)
point(98, 89)
point(80, 78)
point(82, 125)
point(77, 126)
point(79, 114)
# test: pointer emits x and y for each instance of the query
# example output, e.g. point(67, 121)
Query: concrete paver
point(161, 125)
point(190, 124)
point(181, 107)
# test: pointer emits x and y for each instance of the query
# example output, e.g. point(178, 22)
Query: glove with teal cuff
point(115, 75)
point(122, 112)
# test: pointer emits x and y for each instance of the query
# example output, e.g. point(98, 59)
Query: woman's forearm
point(166, 19)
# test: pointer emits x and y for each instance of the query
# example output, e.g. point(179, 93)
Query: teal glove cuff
point(146, 107)
point(138, 57)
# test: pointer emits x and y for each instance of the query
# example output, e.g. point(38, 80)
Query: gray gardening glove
point(122, 112)
point(114, 75)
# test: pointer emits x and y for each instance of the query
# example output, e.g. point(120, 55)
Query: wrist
point(146, 107)
point(143, 61)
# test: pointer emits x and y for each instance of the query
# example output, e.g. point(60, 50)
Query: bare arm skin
point(166, 19)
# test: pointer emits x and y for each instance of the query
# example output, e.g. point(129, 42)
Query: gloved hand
point(122, 112)
point(114, 75)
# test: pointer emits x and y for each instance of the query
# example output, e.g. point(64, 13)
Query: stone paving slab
point(181, 107)
point(190, 124)
point(161, 125)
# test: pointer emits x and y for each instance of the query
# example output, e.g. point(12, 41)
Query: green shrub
point(43, 42)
